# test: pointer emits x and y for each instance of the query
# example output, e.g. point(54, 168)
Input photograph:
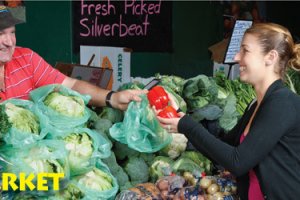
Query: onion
point(213, 188)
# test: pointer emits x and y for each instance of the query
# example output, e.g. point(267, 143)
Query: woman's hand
point(170, 124)
point(172, 101)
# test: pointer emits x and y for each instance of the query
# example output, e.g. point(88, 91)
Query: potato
point(200, 197)
point(213, 188)
point(176, 197)
point(181, 193)
point(164, 194)
point(205, 182)
point(163, 185)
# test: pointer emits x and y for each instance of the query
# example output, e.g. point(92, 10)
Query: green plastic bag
point(45, 156)
point(101, 148)
point(140, 129)
point(77, 190)
point(54, 118)
point(17, 137)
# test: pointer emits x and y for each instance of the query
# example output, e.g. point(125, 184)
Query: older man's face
point(7, 44)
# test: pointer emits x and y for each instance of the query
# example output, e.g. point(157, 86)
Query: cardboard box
point(96, 75)
point(115, 58)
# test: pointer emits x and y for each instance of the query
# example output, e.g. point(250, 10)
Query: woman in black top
point(265, 144)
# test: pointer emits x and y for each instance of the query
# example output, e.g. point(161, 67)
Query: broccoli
point(122, 151)
point(116, 170)
point(137, 170)
point(148, 157)
point(111, 114)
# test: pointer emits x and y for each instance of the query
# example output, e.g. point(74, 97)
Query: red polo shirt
point(25, 72)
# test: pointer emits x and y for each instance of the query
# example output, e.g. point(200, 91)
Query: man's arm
point(98, 95)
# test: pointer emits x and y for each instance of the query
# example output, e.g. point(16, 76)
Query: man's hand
point(120, 100)
point(98, 95)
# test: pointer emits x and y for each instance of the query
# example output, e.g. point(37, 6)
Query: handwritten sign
point(136, 24)
point(236, 38)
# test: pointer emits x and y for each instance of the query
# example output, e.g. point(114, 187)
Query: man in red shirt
point(22, 70)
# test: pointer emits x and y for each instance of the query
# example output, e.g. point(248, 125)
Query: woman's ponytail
point(294, 61)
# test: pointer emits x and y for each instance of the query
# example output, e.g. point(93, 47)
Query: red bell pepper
point(168, 112)
point(158, 97)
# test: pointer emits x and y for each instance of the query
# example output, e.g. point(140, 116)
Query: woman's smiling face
point(251, 60)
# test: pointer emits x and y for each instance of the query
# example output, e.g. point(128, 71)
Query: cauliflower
point(176, 147)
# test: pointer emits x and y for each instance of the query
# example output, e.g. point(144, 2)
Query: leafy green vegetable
point(80, 147)
point(5, 124)
point(44, 165)
point(175, 83)
point(22, 119)
point(96, 179)
point(243, 92)
point(131, 85)
point(209, 112)
point(72, 192)
point(293, 80)
point(229, 117)
point(202, 95)
point(161, 166)
point(199, 91)
point(199, 159)
point(71, 106)
point(184, 164)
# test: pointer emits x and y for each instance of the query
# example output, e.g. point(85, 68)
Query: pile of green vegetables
point(74, 151)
